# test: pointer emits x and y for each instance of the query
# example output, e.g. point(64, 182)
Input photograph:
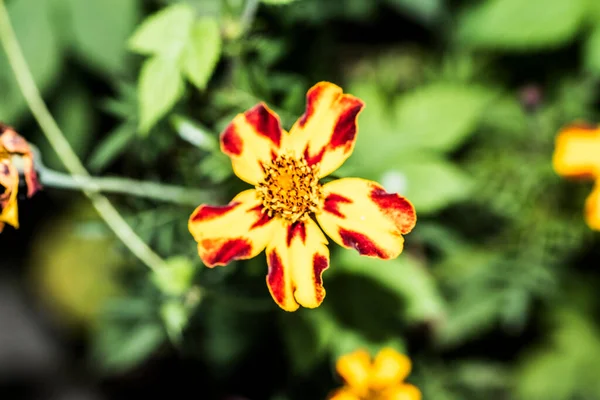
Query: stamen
point(290, 189)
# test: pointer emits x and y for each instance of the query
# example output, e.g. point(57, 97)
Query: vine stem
point(64, 150)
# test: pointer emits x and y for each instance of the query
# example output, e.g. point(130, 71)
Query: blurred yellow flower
point(12, 144)
point(577, 155)
point(378, 379)
point(285, 169)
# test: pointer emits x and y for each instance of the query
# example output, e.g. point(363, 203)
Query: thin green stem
point(130, 187)
point(62, 147)
point(248, 14)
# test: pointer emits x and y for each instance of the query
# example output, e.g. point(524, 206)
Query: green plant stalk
point(64, 150)
point(131, 187)
point(248, 14)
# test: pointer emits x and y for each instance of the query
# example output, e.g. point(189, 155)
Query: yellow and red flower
point(577, 155)
point(378, 379)
point(12, 144)
point(285, 169)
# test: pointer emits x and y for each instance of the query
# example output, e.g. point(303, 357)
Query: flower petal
point(389, 368)
point(9, 180)
point(404, 391)
point(297, 257)
point(343, 394)
point(236, 231)
point(355, 369)
point(15, 144)
point(577, 151)
point(592, 208)
point(360, 214)
point(326, 132)
point(251, 140)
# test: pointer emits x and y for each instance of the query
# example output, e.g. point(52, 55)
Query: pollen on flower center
point(290, 188)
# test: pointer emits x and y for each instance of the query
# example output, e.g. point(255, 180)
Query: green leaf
point(593, 11)
point(104, 49)
point(32, 22)
point(175, 317)
point(75, 116)
point(405, 277)
point(592, 51)
point(567, 367)
point(306, 335)
point(112, 146)
point(164, 33)
point(439, 116)
point(216, 166)
point(519, 25)
point(194, 133)
point(160, 87)
point(430, 183)
point(176, 278)
point(278, 2)
point(425, 10)
point(202, 52)
point(229, 334)
point(119, 348)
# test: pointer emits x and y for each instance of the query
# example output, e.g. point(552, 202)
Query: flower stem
point(62, 147)
point(248, 14)
point(131, 187)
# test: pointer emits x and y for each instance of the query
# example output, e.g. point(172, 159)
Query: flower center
point(290, 189)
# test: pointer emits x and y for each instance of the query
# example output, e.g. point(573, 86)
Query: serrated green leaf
point(164, 33)
point(431, 183)
point(439, 116)
point(202, 52)
point(104, 49)
point(519, 25)
point(160, 87)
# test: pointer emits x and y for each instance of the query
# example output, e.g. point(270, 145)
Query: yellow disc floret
point(290, 189)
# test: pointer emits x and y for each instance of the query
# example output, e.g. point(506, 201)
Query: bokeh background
point(496, 294)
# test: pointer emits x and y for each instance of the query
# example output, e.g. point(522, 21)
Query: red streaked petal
point(252, 140)
point(223, 251)
point(297, 257)
point(359, 214)
point(326, 133)
point(235, 231)
point(16, 144)
point(331, 204)
point(9, 180)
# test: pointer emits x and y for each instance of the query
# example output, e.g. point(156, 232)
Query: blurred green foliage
point(493, 297)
